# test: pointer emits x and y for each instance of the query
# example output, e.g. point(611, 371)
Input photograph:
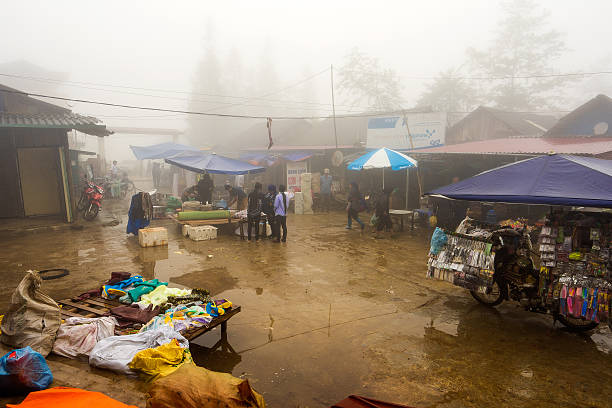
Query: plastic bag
point(61, 397)
point(23, 370)
point(116, 352)
point(33, 317)
point(194, 387)
point(438, 240)
point(78, 335)
point(160, 361)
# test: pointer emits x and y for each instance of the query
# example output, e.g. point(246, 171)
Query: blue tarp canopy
point(270, 159)
point(213, 163)
point(553, 179)
point(161, 151)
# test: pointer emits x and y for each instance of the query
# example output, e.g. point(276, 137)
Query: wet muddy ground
point(331, 313)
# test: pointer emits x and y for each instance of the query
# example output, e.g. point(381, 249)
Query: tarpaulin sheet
point(213, 163)
point(161, 151)
point(68, 397)
point(552, 179)
point(268, 160)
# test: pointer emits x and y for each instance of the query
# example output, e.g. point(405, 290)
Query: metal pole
point(333, 105)
point(407, 185)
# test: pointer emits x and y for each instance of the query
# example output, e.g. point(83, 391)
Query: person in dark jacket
point(236, 196)
point(255, 205)
point(354, 206)
point(205, 189)
point(268, 208)
point(382, 211)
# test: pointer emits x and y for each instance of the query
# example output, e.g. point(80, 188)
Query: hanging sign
point(415, 130)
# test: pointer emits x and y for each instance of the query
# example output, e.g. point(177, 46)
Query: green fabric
point(144, 288)
point(203, 215)
point(173, 202)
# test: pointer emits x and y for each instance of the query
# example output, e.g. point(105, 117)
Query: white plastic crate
point(148, 237)
point(202, 233)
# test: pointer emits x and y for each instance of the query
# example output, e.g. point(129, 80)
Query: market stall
point(571, 277)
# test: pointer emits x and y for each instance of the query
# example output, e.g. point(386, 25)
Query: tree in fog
point(365, 84)
point(449, 93)
point(523, 45)
point(207, 86)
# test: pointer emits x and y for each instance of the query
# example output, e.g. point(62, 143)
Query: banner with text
point(294, 175)
point(421, 130)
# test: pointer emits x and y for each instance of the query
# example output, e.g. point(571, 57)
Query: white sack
point(78, 335)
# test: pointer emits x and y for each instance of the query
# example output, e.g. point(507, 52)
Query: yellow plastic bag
point(160, 361)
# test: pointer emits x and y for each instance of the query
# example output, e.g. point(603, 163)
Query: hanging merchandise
point(140, 213)
point(576, 273)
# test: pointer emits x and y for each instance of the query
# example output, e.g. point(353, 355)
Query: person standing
point(268, 208)
point(354, 206)
point(326, 197)
point(114, 170)
point(254, 210)
point(205, 189)
point(237, 196)
point(281, 203)
point(382, 212)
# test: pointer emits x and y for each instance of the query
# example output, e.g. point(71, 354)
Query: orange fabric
point(68, 397)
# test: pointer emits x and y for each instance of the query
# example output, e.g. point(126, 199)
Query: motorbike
point(515, 279)
point(90, 201)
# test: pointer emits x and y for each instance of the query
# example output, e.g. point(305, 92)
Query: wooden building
point(35, 176)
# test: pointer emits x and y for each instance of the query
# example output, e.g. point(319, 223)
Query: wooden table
point(401, 214)
point(98, 307)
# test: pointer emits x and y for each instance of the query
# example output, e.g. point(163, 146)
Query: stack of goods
point(316, 183)
point(576, 269)
point(306, 181)
point(299, 203)
point(464, 260)
point(204, 215)
point(192, 206)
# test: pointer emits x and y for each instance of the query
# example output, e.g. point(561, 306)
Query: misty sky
point(156, 44)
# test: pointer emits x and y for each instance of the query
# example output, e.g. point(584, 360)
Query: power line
point(223, 115)
point(492, 78)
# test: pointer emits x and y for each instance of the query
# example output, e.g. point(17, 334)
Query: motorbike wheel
point(494, 298)
point(82, 202)
point(577, 325)
point(91, 212)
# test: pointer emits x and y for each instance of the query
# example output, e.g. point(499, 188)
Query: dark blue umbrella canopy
point(161, 151)
point(553, 179)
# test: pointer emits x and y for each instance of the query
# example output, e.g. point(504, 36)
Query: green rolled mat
point(203, 215)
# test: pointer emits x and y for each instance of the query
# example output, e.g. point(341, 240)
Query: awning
point(213, 163)
point(161, 151)
point(551, 179)
point(270, 159)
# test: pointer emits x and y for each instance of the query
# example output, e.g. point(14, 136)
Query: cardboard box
point(148, 237)
point(202, 233)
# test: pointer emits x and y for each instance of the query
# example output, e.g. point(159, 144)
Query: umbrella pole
point(407, 185)
point(383, 178)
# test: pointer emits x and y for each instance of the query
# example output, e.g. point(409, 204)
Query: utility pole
point(333, 105)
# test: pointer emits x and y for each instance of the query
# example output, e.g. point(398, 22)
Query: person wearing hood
point(268, 208)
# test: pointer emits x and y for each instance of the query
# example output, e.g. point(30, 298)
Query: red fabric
point(355, 401)
point(61, 397)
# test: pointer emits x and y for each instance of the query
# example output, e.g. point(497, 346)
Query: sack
point(78, 335)
point(194, 387)
point(33, 317)
point(438, 240)
point(61, 397)
point(374, 220)
point(22, 371)
point(116, 352)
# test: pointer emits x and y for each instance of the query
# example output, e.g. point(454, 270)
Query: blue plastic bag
point(438, 240)
point(24, 370)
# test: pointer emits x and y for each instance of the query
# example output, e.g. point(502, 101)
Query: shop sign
point(294, 175)
point(413, 131)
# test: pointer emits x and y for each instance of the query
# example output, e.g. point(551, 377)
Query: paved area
point(331, 313)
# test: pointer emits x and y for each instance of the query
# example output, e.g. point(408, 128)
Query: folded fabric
point(217, 307)
point(117, 289)
point(180, 318)
point(117, 277)
point(60, 397)
point(116, 352)
point(142, 288)
point(77, 336)
point(135, 314)
point(160, 295)
point(160, 361)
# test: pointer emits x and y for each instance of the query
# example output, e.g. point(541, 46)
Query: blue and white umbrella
point(383, 159)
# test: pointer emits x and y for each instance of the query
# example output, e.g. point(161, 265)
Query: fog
point(128, 52)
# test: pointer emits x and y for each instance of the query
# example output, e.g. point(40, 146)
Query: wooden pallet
point(98, 307)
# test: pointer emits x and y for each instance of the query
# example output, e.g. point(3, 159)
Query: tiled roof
point(528, 145)
point(85, 124)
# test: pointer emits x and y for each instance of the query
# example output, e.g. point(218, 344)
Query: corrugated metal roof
point(582, 120)
point(528, 145)
point(85, 124)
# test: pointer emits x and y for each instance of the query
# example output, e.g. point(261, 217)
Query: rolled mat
point(203, 215)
